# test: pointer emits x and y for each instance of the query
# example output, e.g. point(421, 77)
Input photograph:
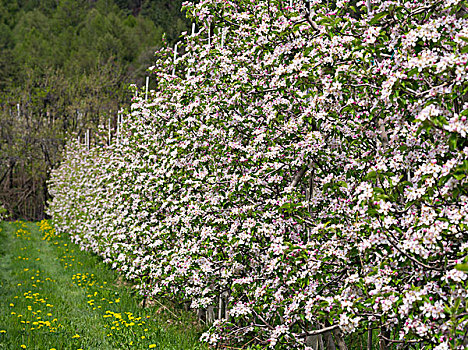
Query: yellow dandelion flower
point(75, 336)
point(23, 346)
point(152, 346)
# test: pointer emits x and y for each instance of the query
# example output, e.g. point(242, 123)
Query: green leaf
point(462, 267)
point(378, 190)
point(464, 49)
point(456, 305)
point(412, 72)
point(377, 17)
point(453, 142)
point(371, 175)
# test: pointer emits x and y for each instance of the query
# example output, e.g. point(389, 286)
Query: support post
point(223, 34)
point(175, 59)
point(109, 131)
point(146, 88)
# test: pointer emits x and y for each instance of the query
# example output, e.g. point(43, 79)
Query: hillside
point(64, 68)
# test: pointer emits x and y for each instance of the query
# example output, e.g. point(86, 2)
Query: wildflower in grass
point(152, 346)
point(2, 331)
point(76, 336)
point(23, 346)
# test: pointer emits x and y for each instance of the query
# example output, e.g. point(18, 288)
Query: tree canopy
point(64, 68)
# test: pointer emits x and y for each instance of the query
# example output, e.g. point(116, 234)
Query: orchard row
point(298, 176)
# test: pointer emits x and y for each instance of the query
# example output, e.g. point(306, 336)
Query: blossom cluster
point(299, 174)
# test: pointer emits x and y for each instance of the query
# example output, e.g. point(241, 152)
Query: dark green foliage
point(65, 66)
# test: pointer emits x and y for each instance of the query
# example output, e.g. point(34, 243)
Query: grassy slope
point(52, 295)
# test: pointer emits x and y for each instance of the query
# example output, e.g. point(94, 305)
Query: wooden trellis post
point(175, 59)
point(109, 131)
point(146, 89)
point(118, 124)
point(87, 139)
point(223, 34)
point(369, 8)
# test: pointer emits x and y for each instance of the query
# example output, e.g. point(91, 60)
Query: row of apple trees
point(299, 176)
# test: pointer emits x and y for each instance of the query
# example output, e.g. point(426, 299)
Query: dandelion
point(152, 346)
point(76, 336)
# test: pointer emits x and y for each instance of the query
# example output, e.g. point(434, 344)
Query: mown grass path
point(54, 296)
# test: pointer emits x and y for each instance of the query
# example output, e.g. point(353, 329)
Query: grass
point(55, 296)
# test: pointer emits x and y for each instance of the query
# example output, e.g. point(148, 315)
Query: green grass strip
point(55, 296)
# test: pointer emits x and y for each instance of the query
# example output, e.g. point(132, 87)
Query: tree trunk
point(382, 342)
point(339, 339)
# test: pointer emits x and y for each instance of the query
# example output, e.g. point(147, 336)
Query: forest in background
point(65, 67)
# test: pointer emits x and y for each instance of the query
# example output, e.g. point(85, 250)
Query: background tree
point(64, 68)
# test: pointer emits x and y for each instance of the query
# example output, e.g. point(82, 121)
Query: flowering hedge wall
point(299, 175)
